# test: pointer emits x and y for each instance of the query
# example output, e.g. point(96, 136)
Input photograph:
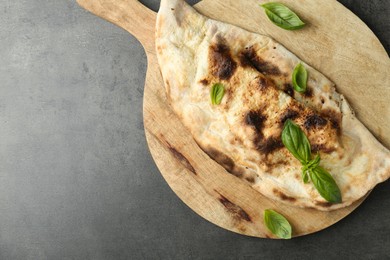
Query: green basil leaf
point(277, 224)
point(325, 184)
point(299, 78)
point(282, 16)
point(217, 92)
point(315, 162)
point(295, 140)
point(305, 175)
point(312, 164)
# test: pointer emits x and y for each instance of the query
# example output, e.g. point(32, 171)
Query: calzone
point(243, 132)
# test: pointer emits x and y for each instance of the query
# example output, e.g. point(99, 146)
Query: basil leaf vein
point(282, 16)
point(299, 78)
point(216, 93)
point(295, 140)
point(277, 224)
point(325, 184)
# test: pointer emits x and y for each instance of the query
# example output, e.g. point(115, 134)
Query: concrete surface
point(76, 178)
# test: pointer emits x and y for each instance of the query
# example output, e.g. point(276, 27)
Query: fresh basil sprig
point(277, 224)
point(299, 78)
point(325, 184)
point(216, 93)
point(282, 16)
point(295, 140)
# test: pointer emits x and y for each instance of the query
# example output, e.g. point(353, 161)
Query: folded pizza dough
point(243, 133)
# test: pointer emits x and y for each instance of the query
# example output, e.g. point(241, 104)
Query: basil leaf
point(295, 140)
point(299, 78)
point(277, 224)
point(217, 92)
point(325, 184)
point(312, 164)
point(282, 16)
point(315, 162)
point(305, 175)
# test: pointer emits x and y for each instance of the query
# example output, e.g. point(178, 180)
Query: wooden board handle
point(131, 15)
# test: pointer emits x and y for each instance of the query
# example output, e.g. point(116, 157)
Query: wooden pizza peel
point(335, 42)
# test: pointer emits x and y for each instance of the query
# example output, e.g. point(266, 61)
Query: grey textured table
point(76, 177)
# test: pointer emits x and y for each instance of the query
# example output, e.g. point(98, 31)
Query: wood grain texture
point(335, 42)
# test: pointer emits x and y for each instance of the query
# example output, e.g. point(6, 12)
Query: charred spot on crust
point(204, 82)
point(263, 145)
point(334, 118)
point(323, 204)
point(308, 93)
point(263, 83)
point(314, 121)
point(283, 196)
point(322, 148)
point(335, 124)
point(221, 158)
point(269, 145)
point(273, 164)
point(288, 89)
point(249, 58)
point(237, 212)
point(288, 114)
point(222, 64)
point(269, 165)
point(243, 56)
point(255, 119)
point(183, 160)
